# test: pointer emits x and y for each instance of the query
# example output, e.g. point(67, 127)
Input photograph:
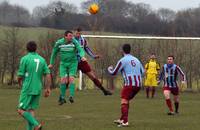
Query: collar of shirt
point(169, 65)
point(32, 53)
point(127, 54)
point(152, 60)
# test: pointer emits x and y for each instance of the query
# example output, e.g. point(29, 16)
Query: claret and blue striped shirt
point(131, 70)
point(84, 45)
point(169, 75)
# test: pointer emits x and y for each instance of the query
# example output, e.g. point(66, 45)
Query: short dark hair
point(126, 48)
point(78, 29)
point(31, 46)
point(171, 56)
point(67, 32)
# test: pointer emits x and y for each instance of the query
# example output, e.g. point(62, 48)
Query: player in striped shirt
point(132, 72)
point(84, 65)
point(169, 74)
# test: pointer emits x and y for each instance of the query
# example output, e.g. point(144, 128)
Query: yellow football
point(93, 8)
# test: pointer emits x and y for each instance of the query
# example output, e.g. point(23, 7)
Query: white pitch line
point(60, 117)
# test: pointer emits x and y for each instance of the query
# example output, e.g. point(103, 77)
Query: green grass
point(93, 111)
point(31, 33)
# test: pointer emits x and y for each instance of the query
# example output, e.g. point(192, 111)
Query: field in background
point(186, 52)
point(93, 111)
point(33, 33)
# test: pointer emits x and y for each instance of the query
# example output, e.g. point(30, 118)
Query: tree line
point(115, 16)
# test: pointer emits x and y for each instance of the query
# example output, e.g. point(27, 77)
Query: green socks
point(63, 90)
point(31, 120)
point(29, 126)
point(72, 89)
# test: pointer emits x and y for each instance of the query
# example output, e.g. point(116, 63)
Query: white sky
point(171, 4)
point(155, 4)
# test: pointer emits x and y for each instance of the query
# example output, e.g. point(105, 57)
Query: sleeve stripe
point(181, 72)
point(116, 68)
point(89, 52)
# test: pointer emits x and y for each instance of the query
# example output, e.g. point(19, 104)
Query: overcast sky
point(155, 4)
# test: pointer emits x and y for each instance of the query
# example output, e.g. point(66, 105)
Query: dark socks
point(124, 112)
point(176, 104)
point(169, 104)
point(153, 92)
point(147, 92)
point(97, 83)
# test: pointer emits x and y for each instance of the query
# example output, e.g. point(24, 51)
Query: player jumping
point(67, 47)
point(84, 66)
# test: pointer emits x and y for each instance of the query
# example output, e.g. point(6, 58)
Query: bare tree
point(3, 61)
point(46, 43)
point(166, 15)
point(11, 50)
point(139, 11)
point(13, 14)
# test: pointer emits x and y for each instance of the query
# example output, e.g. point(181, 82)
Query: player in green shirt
point(67, 48)
point(31, 70)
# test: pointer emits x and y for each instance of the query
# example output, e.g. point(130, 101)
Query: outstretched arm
point(117, 68)
point(54, 53)
point(89, 51)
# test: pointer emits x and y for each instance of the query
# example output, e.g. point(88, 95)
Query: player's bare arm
point(47, 90)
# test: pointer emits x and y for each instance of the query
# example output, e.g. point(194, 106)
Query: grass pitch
point(93, 111)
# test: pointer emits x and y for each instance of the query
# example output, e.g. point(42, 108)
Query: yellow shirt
point(152, 67)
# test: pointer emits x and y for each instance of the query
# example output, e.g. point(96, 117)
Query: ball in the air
point(93, 8)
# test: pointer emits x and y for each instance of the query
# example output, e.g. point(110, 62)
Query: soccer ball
point(93, 8)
